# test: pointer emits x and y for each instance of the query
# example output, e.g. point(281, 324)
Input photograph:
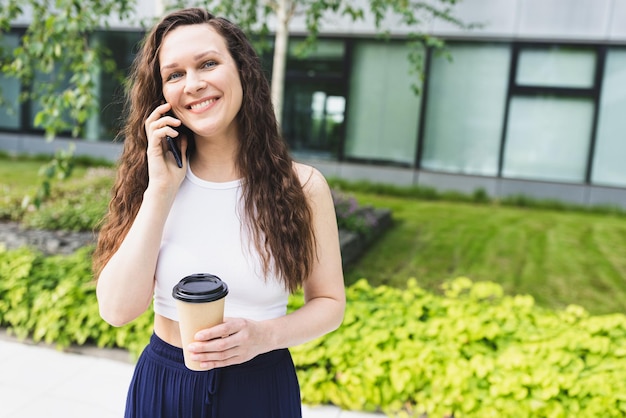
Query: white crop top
point(204, 234)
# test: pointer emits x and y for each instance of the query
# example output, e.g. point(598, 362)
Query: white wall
point(586, 20)
point(592, 20)
point(568, 20)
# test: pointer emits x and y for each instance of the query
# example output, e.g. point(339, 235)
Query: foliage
point(254, 16)
point(559, 257)
point(59, 168)
point(85, 194)
point(52, 299)
point(76, 205)
point(351, 216)
point(473, 351)
point(58, 59)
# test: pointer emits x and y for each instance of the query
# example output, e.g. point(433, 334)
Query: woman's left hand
point(235, 341)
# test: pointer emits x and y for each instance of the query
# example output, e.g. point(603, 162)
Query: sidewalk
point(39, 381)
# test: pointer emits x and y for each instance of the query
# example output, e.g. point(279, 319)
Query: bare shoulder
point(312, 180)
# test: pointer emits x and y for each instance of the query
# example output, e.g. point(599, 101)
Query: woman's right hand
point(163, 172)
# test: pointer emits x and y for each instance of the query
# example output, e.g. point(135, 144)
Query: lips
point(203, 104)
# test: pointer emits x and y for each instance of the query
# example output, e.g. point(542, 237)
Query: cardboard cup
point(200, 303)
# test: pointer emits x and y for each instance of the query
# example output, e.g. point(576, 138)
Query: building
point(532, 103)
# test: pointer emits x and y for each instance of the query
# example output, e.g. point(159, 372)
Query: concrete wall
point(587, 20)
point(23, 144)
point(584, 20)
point(579, 194)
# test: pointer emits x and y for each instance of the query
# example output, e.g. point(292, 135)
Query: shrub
point(53, 299)
point(351, 216)
point(77, 204)
point(473, 352)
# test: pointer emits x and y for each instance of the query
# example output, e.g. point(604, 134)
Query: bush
point(473, 352)
point(77, 204)
point(351, 216)
point(53, 299)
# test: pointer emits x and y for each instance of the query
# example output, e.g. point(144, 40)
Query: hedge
point(471, 351)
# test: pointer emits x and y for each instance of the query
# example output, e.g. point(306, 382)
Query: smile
point(203, 104)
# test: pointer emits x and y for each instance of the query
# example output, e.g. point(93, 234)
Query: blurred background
point(525, 97)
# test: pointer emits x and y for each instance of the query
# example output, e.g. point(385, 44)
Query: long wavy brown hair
point(277, 213)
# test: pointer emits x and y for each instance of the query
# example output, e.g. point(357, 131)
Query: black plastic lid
point(200, 288)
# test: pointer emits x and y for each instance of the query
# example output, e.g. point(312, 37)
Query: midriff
point(167, 330)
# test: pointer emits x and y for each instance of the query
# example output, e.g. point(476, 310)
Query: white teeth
point(203, 104)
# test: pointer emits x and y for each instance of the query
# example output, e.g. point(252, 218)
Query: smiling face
point(201, 80)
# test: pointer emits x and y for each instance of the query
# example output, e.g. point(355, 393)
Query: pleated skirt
point(162, 387)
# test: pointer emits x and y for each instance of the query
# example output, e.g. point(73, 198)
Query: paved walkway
point(39, 381)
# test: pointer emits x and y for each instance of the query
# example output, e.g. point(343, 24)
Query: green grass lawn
point(558, 257)
point(22, 176)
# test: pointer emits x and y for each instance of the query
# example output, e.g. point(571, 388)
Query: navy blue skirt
point(162, 387)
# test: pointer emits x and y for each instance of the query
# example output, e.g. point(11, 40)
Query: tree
point(59, 49)
point(58, 59)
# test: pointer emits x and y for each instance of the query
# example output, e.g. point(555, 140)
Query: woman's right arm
point(126, 284)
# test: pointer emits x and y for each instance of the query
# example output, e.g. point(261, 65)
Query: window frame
point(593, 93)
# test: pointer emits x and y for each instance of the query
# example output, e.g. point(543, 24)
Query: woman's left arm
point(238, 340)
point(324, 289)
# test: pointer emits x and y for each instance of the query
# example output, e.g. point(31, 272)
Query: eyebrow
point(195, 57)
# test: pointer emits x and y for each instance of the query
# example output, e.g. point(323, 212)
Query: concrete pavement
point(40, 381)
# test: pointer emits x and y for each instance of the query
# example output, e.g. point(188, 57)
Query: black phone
point(173, 143)
point(175, 149)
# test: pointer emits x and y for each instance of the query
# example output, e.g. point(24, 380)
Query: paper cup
point(200, 303)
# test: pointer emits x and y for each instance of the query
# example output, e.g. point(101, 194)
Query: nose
point(194, 82)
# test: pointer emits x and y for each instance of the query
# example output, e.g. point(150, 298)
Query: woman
point(239, 208)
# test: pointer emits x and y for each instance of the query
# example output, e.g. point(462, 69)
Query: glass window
point(314, 99)
point(11, 110)
point(547, 138)
point(325, 58)
point(123, 46)
point(608, 163)
point(556, 67)
point(383, 109)
point(466, 101)
point(313, 118)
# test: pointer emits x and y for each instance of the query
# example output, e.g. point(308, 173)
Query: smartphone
point(175, 149)
point(173, 143)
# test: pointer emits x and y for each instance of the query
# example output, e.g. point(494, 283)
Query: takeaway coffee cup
point(200, 303)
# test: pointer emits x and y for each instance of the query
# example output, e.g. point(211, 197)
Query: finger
point(159, 118)
point(210, 364)
point(160, 111)
point(215, 350)
point(164, 124)
point(228, 327)
point(216, 332)
point(157, 131)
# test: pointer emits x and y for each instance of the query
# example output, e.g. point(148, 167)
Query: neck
point(215, 161)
